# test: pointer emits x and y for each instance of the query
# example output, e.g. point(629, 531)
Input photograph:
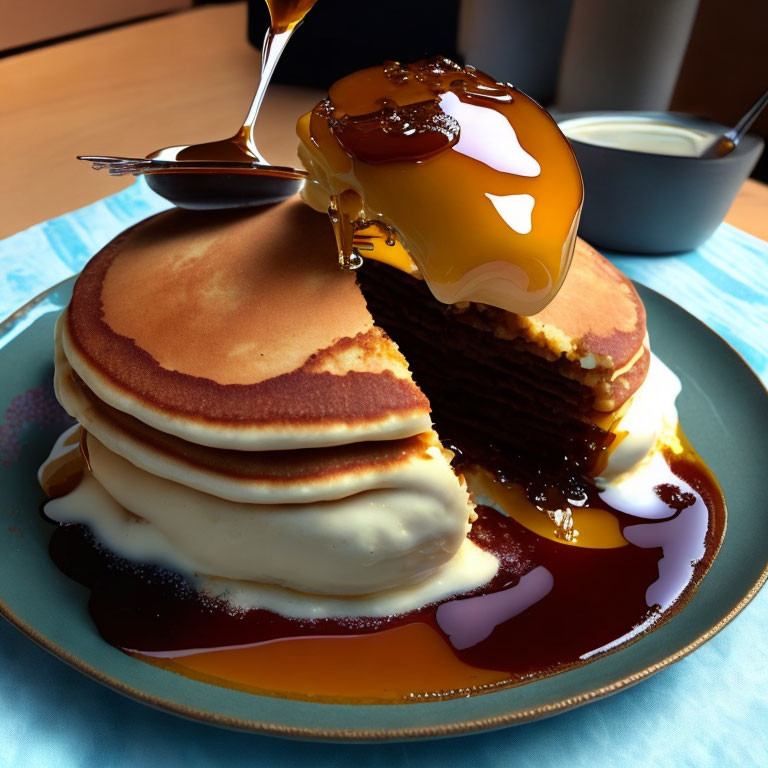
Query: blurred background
point(702, 57)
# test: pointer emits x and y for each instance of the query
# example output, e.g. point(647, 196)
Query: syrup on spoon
point(286, 15)
point(232, 172)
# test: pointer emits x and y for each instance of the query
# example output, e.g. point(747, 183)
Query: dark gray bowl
point(639, 202)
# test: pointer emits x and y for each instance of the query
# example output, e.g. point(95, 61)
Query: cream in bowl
point(655, 137)
point(647, 190)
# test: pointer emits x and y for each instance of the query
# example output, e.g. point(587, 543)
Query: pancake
point(257, 477)
point(196, 324)
point(245, 419)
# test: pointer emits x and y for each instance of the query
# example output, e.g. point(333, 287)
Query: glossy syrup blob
point(440, 170)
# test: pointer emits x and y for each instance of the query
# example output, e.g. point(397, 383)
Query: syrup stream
point(286, 17)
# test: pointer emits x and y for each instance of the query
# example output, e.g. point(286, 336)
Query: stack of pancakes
point(249, 415)
point(240, 403)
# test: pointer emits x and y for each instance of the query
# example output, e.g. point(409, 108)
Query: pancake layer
point(594, 329)
point(237, 330)
point(245, 419)
point(261, 477)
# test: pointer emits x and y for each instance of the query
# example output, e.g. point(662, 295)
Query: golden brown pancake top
point(236, 299)
point(599, 311)
point(237, 317)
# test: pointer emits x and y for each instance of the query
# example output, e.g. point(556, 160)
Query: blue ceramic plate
point(723, 409)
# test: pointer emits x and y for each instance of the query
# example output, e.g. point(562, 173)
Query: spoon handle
point(746, 122)
point(274, 43)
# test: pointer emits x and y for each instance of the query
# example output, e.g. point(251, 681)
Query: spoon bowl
point(237, 186)
point(230, 173)
point(220, 174)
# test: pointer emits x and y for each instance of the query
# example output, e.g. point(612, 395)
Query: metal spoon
point(229, 173)
point(728, 141)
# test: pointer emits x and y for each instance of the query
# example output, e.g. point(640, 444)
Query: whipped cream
point(648, 418)
point(369, 542)
point(137, 539)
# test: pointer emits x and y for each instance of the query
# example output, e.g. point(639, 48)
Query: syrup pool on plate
point(577, 578)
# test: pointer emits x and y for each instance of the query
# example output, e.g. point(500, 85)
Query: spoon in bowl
point(728, 141)
point(231, 172)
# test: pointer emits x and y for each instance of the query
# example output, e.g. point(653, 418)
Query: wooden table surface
point(183, 78)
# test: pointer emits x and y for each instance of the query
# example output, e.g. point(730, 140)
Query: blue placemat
point(711, 709)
